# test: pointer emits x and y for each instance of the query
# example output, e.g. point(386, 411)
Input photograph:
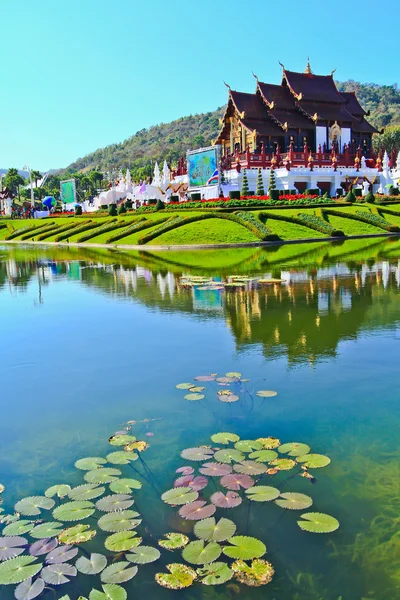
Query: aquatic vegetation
point(318, 523)
point(259, 572)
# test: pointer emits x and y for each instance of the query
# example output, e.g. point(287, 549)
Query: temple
point(306, 112)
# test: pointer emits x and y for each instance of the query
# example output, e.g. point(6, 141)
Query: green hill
point(171, 140)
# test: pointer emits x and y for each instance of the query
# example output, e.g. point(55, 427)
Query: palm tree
point(36, 175)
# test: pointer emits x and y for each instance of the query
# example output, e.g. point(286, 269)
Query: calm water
point(92, 339)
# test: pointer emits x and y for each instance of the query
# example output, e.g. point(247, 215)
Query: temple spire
point(308, 68)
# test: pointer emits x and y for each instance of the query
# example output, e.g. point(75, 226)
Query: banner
point(67, 191)
point(202, 165)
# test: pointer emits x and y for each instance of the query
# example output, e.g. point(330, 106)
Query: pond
point(93, 339)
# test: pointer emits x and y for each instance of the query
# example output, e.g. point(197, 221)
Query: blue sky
point(81, 74)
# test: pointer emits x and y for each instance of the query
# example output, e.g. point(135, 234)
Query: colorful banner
point(67, 191)
point(202, 164)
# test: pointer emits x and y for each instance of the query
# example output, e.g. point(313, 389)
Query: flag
point(142, 188)
point(214, 178)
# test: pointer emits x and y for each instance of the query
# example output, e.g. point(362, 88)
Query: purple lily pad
point(225, 379)
point(195, 511)
point(227, 397)
point(204, 378)
point(57, 574)
point(185, 470)
point(228, 500)
point(28, 590)
point(196, 483)
point(61, 554)
point(10, 547)
point(214, 469)
point(43, 546)
point(235, 482)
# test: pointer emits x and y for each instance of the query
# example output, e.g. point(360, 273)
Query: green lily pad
point(121, 440)
point(233, 374)
point(184, 386)
point(33, 505)
point(118, 572)
point(262, 493)
point(260, 572)
point(79, 534)
point(266, 393)
point(74, 511)
point(224, 438)
point(121, 457)
point(143, 555)
point(124, 486)
point(213, 531)
point(263, 456)
point(179, 496)
point(215, 573)
point(106, 475)
point(318, 523)
point(249, 467)
point(60, 491)
point(174, 541)
point(123, 520)
point(122, 541)
point(46, 530)
point(18, 528)
point(110, 592)
point(178, 578)
point(244, 547)
point(90, 463)
point(269, 443)
point(194, 396)
point(18, 569)
point(248, 445)
point(93, 565)
point(294, 501)
point(294, 449)
point(114, 502)
point(228, 455)
point(283, 464)
point(199, 553)
point(87, 491)
point(314, 461)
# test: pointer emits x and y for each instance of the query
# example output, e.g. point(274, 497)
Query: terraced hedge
point(310, 221)
point(58, 229)
point(365, 217)
point(21, 231)
point(76, 229)
point(41, 229)
point(264, 232)
point(109, 226)
point(137, 226)
point(163, 228)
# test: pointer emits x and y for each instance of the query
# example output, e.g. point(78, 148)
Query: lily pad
point(87, 491)
point(91, 566)
point(248, 445)
point(197, 510)
point(33, 505)
point(174, 541)
point(114, 502)
point(228, 398)
point(224, 438)
point(294, 449)
point(118, 572)
point(124, 486)
point(28, 590)
point(43, 546)
point(10, 547)
point(194, 396)
point(269, 443)
point(74, 511)
point(213, 531)
point(61, 554)
point(122, 457)
point(225, 379)
point(60, 490)
point(314, 461)
point(185, 470)
point(143, 555)
point(205, 378)
point(236, 482)
point(110, 592)
point(106, 475)
point(122, 541)
point(196, 389)
point(262, 493)
point(294, 501)
point(197, 454)
point(318, 523)
point(213, 469)
point(260, 572)
point(179, 496)
point(119, 521)
point(228, 455)
point(249, 467)
point(121, 440)
point(233, 375)
point(18, 528)
point(79, 534)
point(18, 569)
point(266, 393)
point(139, 445)
point(46, 530)
point(185, 386)
point(195, 483)
point(228, 500)
point(215, 573)
point(283, 464)
point(199, 553)
point(91, 463)
point(263, 455)
point(58, 574)
point(178, 578)
point(244, 547)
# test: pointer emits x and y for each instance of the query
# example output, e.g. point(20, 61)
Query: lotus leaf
point(236, 482)
point(196, 483)
point(318, 523)
point(194, 396)
point(269, 443)
point(228, 500)
point(229, 398)
point(79, 534)
point(124, 486)
point(143, 555)
point(110, 592)
point(46, 530)
point(294, 449)
point(33, 505)
point(294, 501)
point(214, 469)
point(185, 470)
point(91, 566)
point(260, 572)
point(10, 547)
point(205, 378)
point(9, 518)
point(266, 393)
point(228, 455)
point(121, 440)
point(180, 495)
point(74, 511)
point(213, 531)
point(122, 541)
point(263, 455)
point(139, 445)
point(314, 461)
point(122, 457)
point(114, 502)
point(181, 576)
point(174, 541)
point(87, 491)
point(60, 491)
point(18, 569)
point(249, 467)
point(248, 445)
point(57, 574)
point(244, 547)
point(197, 510)
point(215, 573)
point(196, 454)
point(119, 521)
point(283, 464)
point(196, 389)
point(91, 463)
point(184, 386)
point(61, 554)
point(262, 493)
point(234, 375)
point(43, 546)
point(199, 553)
point(224, 438)
point(102, 475)
point(18, 528)
point(28, 590)
point(118, 572)
point(225, 379)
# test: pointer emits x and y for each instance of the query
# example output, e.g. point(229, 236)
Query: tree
point(96, 178)
point(35, 176)
point(389, 140)
point(260, 184)
point(272, 181)
point(245, 185)
point(13, 180)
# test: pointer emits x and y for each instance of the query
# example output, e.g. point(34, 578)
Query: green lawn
point(211, 231)
point(352, 227)
point(292, 231)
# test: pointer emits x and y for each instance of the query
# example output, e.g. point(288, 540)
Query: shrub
point(263, 232)
point(370, 198)
point(272, 182)
point(195, 196)
point(365, 217)
point(350, 197)
point(245, 185)
point(260, 184)
point(313, 191)
point(306, 220)
point(339, 192)
point(41, 229)
point(128, 204)
point(78, 210)
point(160, 205)
point(112, 210)
point(234, 195)
point(357, 192)
point(152, 201)
point(174, 198)
point(21, 230)
point(109, 226)
point(274, 194)
point(138, 225)
point(121, 209)
point(393, 191)
point(74, 230)
point(166, 226)
point(59, 229)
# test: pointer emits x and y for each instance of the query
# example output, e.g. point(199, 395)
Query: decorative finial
point(228, 86)
point(308, 68)
point(334, 71)
point(283, 67)
point(255, 77)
